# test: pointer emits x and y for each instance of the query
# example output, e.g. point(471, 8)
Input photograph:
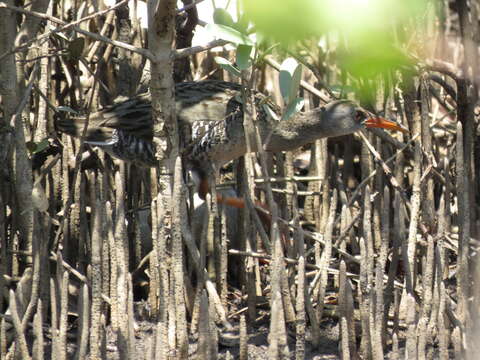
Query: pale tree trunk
point(161, 35)
point(9, 89)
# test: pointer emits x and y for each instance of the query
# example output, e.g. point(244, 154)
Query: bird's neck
point(299, 130)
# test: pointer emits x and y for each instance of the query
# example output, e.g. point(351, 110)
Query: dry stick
point(83, 320)
point(212, 234)
point(398, 236)
point(326, 257)
point(223, 269)
point(400, 149)
point(408, 254)
point(463, 199)
point(252, 133)
point(288, 306)
point(122, 248)
point(368, 269)
point(178, 198)
point(62, 333)
point(162, 257)
point(20, 339)
point(44, 81)
point(38, 344)
point(195, 316)
point(36, 270)
point(433, 325)
point(203, 328)
point(95, 46)
point(443, 333)
point(424, 335)
point(204, 237)
point(345, 216)
point(388, 173)
point(130, 314)
point(350, 309)
point(38, 350)
point(345, 232)
point(68, 203)
point(302, 292)
point(365, 345)
point(253, 210)
point(428, 205)
point(21, 290)
point(277, 324)
point(161, 345)
point(160, 294)
point(372, 174)
point(95, 336)
point(159, 274)
point(181, 53)
point(289, 261)
point(53, 316)
point(342, 309)
point(380, 314)
point(73, 25)
point(155, 258)
point(77, 274)
point(243, 348)
point(150, 348)
point(194, 253)
point(396, 313)
point(171, 323)
point(213, 338)
point(3, 259)
point(278, 341)
point(3, 338)
point(310, 235)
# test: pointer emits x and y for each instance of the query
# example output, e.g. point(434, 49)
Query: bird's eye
point(360, 116)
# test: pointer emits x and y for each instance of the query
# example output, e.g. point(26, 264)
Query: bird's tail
point(74, 126)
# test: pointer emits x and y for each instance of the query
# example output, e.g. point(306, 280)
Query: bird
point(210, 113)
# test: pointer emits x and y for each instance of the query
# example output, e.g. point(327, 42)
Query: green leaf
point(227, 65)
point(34, 147)
point(243, 57)
point(228, 34)
point(242, 24)
point(289, 77)
point(294, 107)
point(67, 109)
point(222, 17)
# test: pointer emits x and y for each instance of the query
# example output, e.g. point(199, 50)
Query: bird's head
point(345, 117)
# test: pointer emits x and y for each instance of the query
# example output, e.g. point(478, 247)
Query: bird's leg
point(204, 189)
point(202, 176)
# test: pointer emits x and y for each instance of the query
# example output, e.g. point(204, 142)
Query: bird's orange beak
point(379, 122)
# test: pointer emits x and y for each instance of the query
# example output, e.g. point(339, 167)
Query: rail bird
point(210, 112)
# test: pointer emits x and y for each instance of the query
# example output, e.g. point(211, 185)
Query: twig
point(385, 168)
point(73, 25)
point(197, 49)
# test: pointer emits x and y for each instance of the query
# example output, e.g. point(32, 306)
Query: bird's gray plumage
point(211, 116)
